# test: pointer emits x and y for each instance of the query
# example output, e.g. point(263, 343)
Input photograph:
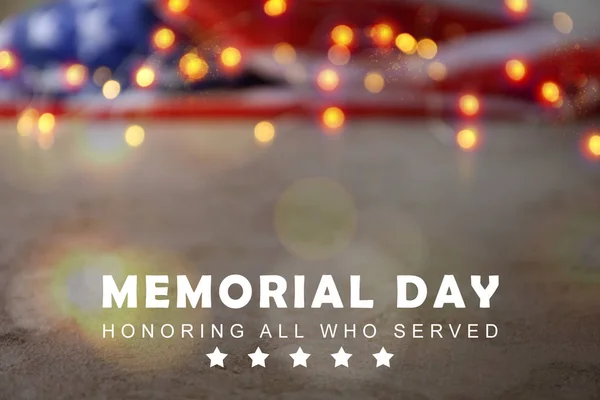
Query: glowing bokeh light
point(145, 76)
point(382, 34)
point(163, 38)
point(515, 70)
point(193, 67)
point(469, 105)
point(342, 35)
point(111, 89)
point(134, 135)
point(328, 80)
point(284, 54)
point(178, 6)
point(374, 82)
point(551, 92)
point(264, 132)
point(274, 8)
point(231, 57)
point(467, 139)
point(517, 6)
point(27, 122)
point(7, 60)
point(437, 71)
point(75, 75)
point(333, 118)
point(593, 145)
point(406, 43)
point(338, 55)
point(563, 22)
point(46, 123)
point(427, 48)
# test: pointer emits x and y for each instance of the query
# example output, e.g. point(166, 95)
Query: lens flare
point(469, 105)
point(406, 43)
point(328, 80)
point(563, 22)
point(145, 77)
point(231, 57)
point(75, 75)
point(46, 123)
point(134, 136)
point(427, 48)
point(342, 35)
point(515, 70)
point(517, 6)
point(437, 71)
point(163, 39)
point(284, 54)
point(467, 139)
point(551, 92)
point(111, 89)
point(178, 6)
point(593, 145)
point(27, 122)
point(192, 67)
point(8, 61)
point(275, 8)
point(374, 82)
point(264, 132)
point(333, 119)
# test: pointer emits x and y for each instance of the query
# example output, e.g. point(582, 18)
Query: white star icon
point(258, 358)
point(300, 358)
point(341, 358)
point(217, 358)
point(383, 358)
point(42, 29)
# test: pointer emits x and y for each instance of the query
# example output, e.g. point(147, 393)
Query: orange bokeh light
point(342, 35)
point(382, 34)
point(551, 92)
point(333, 118)
point(75, 75)
point(231, 57)
point(469, 105)
point(274, 8)
point(328, 80)
point(593, 145)
point(178, 6)
point(163, 39)
point(467, 139)
point(515, 70)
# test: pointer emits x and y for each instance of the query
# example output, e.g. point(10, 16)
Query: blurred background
point(337, 167)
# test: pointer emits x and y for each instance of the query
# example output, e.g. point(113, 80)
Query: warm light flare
point(8, 61)
point(46, 123)
point(274, 8)
point(374, 82)
point(134, 136)
point(193, 67)
point(328, 80)
point(551, 92)
point(382, 34)
point(164, 38)
point(264, 132)
point(467, 139)
point(515, 70)
point(406, 43)
point(342, 35)
point(333, 118)
point(111, 89)
point(145, 77)
point(427, 48)
point(517, 6)
point(284, 54)
point(338, 55)
point(231, 57)
point(75, 75)
point(469, 105)
point(178, 6)
point(593, 145)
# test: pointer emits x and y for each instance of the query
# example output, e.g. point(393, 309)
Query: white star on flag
point(341, 358)
point(383, 358)
point(42, 29)
point(258, 358)
point(300, 358)
point(217, 358)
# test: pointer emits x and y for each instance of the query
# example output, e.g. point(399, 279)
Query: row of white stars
point(217, 358)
